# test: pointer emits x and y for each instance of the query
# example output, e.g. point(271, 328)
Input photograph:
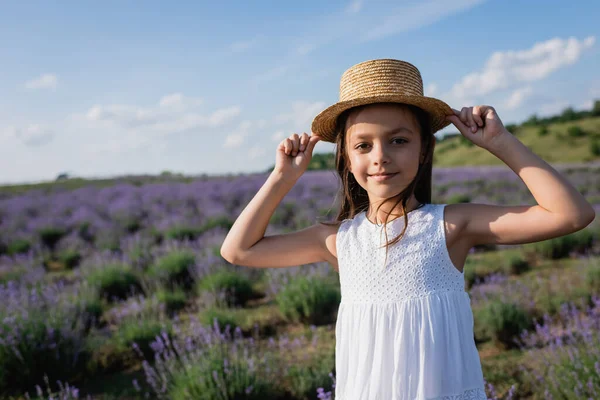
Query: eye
point(401, 139)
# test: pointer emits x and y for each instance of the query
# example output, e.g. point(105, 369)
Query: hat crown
point(380, 77)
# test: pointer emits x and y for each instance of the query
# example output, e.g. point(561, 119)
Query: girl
point(404, 327)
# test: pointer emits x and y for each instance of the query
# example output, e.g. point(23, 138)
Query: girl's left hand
point(480, 124)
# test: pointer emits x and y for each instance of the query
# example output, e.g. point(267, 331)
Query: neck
point(386, 210)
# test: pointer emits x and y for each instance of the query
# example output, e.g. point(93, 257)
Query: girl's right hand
point(294, 155)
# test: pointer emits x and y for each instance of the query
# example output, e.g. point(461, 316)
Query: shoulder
point(455, 218)
point(328, 233)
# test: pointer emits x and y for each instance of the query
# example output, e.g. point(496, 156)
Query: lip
point(383, 177)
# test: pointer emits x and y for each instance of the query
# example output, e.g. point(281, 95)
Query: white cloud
point(237, 138)
point(174, 113)
point(413, 16)
point(278, 136)
point(509, 68)
point(32, 134)
point(300, 117)
point(270, 75)
point(244, 45)
point(431, 90)
point(256, 152)
point(354, 6)
point(45, 81)
point(517, 97)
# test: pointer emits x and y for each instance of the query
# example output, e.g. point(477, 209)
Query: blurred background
point(132, 134)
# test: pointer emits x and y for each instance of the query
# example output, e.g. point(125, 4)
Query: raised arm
point(246, 244)
point(561, 209)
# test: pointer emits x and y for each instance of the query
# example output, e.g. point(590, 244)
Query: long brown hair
point(354, 199)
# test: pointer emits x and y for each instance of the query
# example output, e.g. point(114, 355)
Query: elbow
point(585, 219)
point(228, 255)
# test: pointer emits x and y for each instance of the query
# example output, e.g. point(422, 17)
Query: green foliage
point(50, 236)
point(306, 379)
point(173, 300)
point(115, 281)
point(183, 232)
point(322, 161)
point(238, 288)
point(221, 377)
point(515, 264)
point(221, 316)
point(70, 258)
point(592, 278)
point(18, 246)
point(504, 321)
point(142, 332)
point(309, 300)
point(542, 130)
point(39, 347)
point(459, 198)
point(575, 131)
point(595, 147)
point(188, 232)
point(562, 246)
point(174, 268)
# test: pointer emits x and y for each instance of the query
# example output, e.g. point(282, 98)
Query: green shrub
point(174, 268)
point(309, 300)
point(221, 316)
point(562, 246)
point(70, 258)
point(173, 300)
point(36, 345)
point(592, 278)
point(542, 130)
point(222, 376)
point(220, 221)
point(459, 198)
point(142, 332)
point(115, 281)
point(50, 236)
point(595, 147)
point(504, 321)
point(183, 232)
point(238, 289)
point(516, 265)
point(18, 246)
point(306, 379)
point(575, 131)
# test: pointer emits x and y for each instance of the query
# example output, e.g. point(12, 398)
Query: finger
point(295, 143)
point(303, 141)
point(459, 124)
point(312, 142)
point(471, 121)
point(463, 115)
point(477, 112)
point(288, 146)
point(456, 112)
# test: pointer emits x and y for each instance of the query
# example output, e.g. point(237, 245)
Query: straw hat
point(377, 81)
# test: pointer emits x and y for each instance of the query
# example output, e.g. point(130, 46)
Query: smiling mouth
point(382, 176)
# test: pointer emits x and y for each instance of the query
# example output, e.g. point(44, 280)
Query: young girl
point(404, 327)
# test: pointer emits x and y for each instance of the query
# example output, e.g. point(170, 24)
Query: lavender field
point(119, 291)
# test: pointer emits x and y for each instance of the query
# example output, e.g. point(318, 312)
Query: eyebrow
point(361, 136)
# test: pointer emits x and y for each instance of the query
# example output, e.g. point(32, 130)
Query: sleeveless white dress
point(403, 332)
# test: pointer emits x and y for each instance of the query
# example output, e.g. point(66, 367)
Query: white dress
point(404, 332)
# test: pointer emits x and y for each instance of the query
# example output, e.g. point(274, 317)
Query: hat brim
point(324, 124)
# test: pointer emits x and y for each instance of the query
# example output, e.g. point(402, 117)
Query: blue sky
point(99, 89)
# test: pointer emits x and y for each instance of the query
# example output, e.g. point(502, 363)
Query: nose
point(380, 155)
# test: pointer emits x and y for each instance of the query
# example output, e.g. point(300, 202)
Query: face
point(383, 139)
